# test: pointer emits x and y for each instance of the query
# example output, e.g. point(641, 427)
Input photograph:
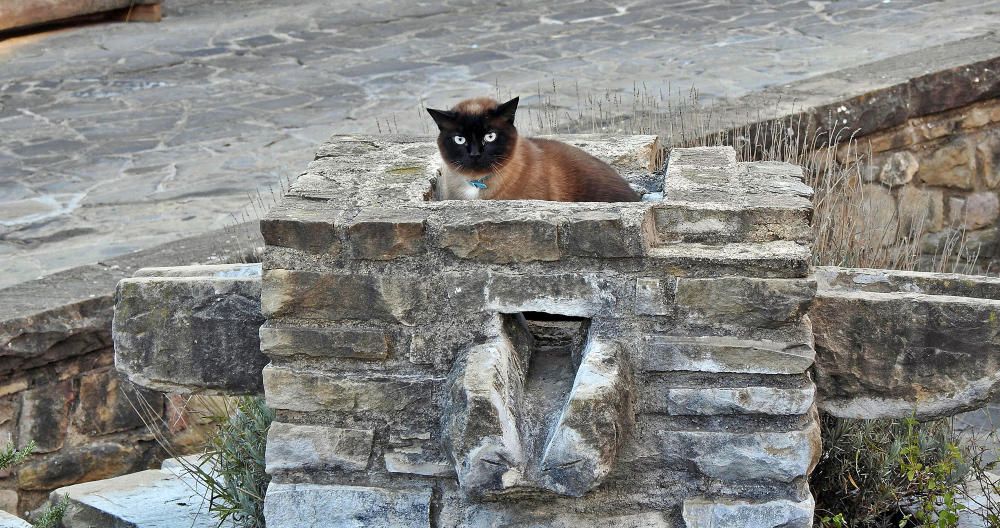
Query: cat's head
point(477, 135)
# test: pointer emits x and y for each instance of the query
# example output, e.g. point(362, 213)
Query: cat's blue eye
point(460, 140)
point(491, 137)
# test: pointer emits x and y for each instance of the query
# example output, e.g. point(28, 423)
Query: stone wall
point(938, 175)
point(539, 364)
point(59, 386)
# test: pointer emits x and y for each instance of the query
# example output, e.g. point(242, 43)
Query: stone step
point(781, 258)
point(8, 520)
point(156, 498)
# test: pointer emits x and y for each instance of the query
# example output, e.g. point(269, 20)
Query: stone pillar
point(481, 363)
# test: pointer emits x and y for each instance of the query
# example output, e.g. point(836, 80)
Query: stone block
point(385, 234)
point(347, 343)
point(106, 404)
point(320, 506)
point(778, 456)
point(306, 225)
point(730, 513)
point(975, 211)
point(724, 354)
point(744, 301)
point(45, 416)
point(654, 296)
point(334, 297)
point(988, 158)
point(8, 501)
point(718, 223)
point(894, 354)
point(948, 164)
point(878, 207)
point(920, 210)
point(212, 344)
point(147, 499)
point(780, 258)
point(598, 234)
point(8, 520)
point(594, 422)
point(572, 294)
point(316, 448)
point(9, 408)
point(417, 461)
point(307, 391)
point(898, 169)
point(711, 401)
point(79, 464)
point(502, 240)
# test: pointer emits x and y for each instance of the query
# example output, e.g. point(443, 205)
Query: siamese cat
point(486, 159)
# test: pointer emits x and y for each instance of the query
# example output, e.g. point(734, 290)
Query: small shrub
point(888, 473)
point(11, 456)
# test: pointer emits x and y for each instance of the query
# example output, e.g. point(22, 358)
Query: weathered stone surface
point(988, 158)
point(417, 461)
point(717, 223)
point(728, 513)
point(745, 456)
point(312, 295)
point(725, 354)
point(502, 240)
point(949, 165)
point(106, 404)
point(708, 401)
point(319, 506)
point(45, 416)
point(920, 210)
point(877, 206)
point(79, 464)
point(296, 390)
point(302, 224)
point(581, 295)
point(147, 499)
point(898, 169)
point(8, 501)
point(385, 234)
point(975, 211)
point(784, 259)
point(654, 296)
point(524, 516)
point(316, 447)
point(598, 234)
point(593, 424)
point(744, 301)
point(353, 343)
point(8, 520)
point(212, 343)
point(898, 353)
point(481, 431)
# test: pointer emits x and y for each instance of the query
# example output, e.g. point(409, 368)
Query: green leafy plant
point(889, 473)
point(12, 456)
point(52, 515)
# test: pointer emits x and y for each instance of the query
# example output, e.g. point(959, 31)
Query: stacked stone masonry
point(486, 363)
point(936, 177)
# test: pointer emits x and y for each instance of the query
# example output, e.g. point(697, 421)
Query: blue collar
point(481, 182)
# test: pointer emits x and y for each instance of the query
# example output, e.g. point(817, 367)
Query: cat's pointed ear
point(443, 118)
point(507, 110)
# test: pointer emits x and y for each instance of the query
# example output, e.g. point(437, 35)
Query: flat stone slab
point(148, 499)
point(319, 506)
point(12, 521)
point(894, 344)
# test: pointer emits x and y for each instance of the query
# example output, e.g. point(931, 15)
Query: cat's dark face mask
point(476, 144)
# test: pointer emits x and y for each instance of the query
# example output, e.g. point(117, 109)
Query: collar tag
point(478, 184)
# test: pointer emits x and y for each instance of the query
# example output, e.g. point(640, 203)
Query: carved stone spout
point(503, 440)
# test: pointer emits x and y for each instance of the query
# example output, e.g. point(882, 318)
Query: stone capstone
point(191, 330)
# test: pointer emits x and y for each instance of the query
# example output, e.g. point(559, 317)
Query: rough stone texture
point(8, 520)
point(149, 499)
point(899, 169)
point(57, 344)
point(725, 354)
point(213, 342)
point(893, 344)
point(317, 506)
point(536, 363)
point(25, 13)
point(706, 513)
point(313, 447)
point(92, 462)
point(920, 210)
